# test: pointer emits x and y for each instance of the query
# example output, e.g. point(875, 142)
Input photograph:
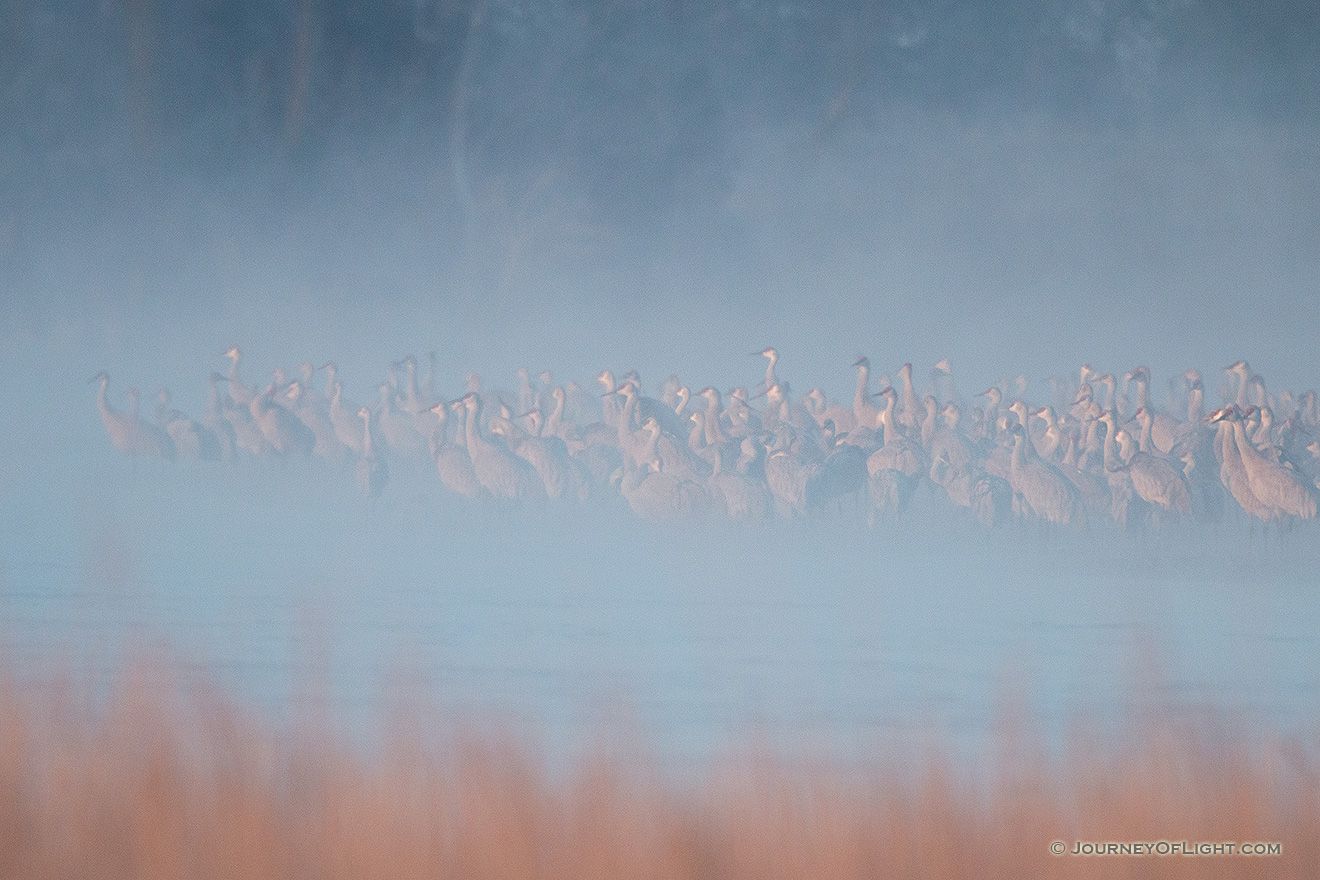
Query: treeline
point(605, 98)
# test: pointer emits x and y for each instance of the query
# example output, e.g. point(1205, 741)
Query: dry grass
point(161, 781)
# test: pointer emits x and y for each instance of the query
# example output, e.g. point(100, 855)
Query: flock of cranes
point(1099, 451)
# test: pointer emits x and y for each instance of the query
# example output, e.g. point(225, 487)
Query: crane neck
point(1111, 453)
point(1143, 441)
point(697, 436)
point(1247, 452)
point(472, 428)
point(555, 421)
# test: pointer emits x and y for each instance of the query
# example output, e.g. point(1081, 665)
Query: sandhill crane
point(191, 438)
point(781, 408)
point(654, 494)
point(669, 393)
point(911, 412)
point(527, 396)
point(712, 455)
point(1164, 429)
point(843, 471)
point(341, 417)
point(327, 443)
point(238, 392)
point(864, 413)
point(1232, 470)
point(127, 431)
point(151, 437)
point(1092, 489)
point(772, 356)
point(742, 420)
point(1137, 475)
point(372, 472)
point(557, 424)
point(929, 422)
point(1110, 402)
point(1019, 409)
point(1278, 487)
point(988, 428)
point(1047, 444)
point(739, 489)
point(790, 479)
point(281, 428)
point(942, 374)
point(399, 430)
point(824, 410)
point(310, 396)
point(452, 462)
point(503, 474)
point(412, 404)
point(215, 421)
point(1084, 406)
point(642, 408)
point(1264, 434)
point(715, 434)
point(547, 455)
point(1123, 497)
point(611, 403)
point(1242, 372)
point(948, 442)
point(1153, 477)
point(1047, 493)
point(681, 398)
point(247, 433)
point(898, 452)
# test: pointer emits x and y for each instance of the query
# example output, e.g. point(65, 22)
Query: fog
point(575, 186)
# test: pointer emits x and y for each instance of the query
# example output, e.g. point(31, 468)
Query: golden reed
point(158, 780)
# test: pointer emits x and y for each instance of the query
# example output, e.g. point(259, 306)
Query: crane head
point(862, 361)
